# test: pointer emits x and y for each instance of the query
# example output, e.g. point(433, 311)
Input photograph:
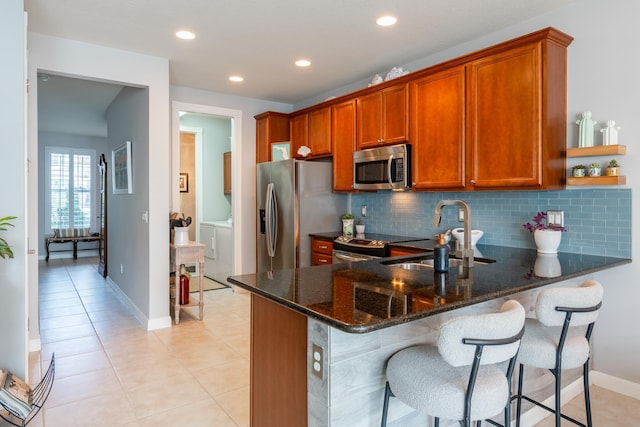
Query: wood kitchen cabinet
point(312, 129)
point(227, 173)
point(438, 130)
point(382, 117)
point(398, 251)
point(343, 136)
point(271, 127)
point(321, 251)
point(278, 395)
point(516, 114)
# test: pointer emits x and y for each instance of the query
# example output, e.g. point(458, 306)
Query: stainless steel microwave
point(382, 168)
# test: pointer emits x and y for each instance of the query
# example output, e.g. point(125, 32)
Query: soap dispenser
point(441, 255)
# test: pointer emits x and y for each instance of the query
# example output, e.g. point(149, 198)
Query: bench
point(74, 235)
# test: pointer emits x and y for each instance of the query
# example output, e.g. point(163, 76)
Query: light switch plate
point(555, 218)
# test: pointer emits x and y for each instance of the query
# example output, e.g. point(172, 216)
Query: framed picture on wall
point(280, 151)
point(184, 182)
point(121, 170)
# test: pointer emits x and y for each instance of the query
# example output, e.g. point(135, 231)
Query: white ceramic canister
point(180, 236)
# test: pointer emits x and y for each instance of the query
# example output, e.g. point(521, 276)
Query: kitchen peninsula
point(321, 336)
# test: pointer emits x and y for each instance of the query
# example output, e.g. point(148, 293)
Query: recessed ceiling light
point(303, 62)
point(236, 78)
point(185, 35)
point(385, 21)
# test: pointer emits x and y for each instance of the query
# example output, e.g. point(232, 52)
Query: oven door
point(342, 256)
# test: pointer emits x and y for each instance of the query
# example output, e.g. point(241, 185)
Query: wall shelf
point(597, 180)
point(600, 150)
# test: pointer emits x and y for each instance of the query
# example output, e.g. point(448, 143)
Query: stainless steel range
point(370, 246)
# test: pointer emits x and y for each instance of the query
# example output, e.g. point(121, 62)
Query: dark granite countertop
point(364, 296)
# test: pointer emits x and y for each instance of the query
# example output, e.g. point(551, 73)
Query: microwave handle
point(389, 163)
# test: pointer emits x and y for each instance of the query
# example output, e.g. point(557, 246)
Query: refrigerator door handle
point(272, 220)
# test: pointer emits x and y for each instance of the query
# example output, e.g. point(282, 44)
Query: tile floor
point(110, 372)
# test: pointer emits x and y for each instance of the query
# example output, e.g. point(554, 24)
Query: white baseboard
point(615, 384)
point(148, 324)
point(609, 382)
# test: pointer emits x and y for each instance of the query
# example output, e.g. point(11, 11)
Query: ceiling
point(260, 39)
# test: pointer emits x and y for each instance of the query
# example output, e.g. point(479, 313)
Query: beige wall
point(188, 166)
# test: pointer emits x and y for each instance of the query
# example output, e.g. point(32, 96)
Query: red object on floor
point(184, 289)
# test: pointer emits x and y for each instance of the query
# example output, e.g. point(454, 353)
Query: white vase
point(547, 265)
point(360, 228)
point(547, 241)
point(181, 236)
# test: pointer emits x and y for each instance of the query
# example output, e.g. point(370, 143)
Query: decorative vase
point(180, 236)
point(547, 241)
point(347, 227)
point(547, 265)
point(613, 171)
point(593, 171)
point(578, 172)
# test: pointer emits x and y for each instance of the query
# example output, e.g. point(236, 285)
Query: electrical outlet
point(364, 210)
point(555, 218)
point(461, 215)
point(317, 360)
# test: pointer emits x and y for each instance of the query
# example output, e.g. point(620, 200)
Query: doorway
point(215, 133)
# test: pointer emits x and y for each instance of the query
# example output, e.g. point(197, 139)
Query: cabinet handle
point(473, 182)
point(322, 261)
point(322, 246)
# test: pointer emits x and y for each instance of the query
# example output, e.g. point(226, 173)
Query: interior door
point(102, 244)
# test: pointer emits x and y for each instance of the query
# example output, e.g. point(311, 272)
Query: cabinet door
point(504, 119)
point(343, 135)
point(382, 117)
point(227, 172)
point(299, 133)
point(394, 125)
point(437, 130)
point(369, 113)
point(320, 132)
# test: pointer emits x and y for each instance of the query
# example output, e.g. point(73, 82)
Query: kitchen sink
point(427, 264)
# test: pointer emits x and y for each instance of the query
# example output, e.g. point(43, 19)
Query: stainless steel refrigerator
point(295, 198)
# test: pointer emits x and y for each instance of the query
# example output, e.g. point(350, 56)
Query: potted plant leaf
point(613, 169)
point(5, 249)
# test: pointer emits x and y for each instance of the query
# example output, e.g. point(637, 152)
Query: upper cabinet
point(343, 135)
point(516, 114)
point(271, 127)
point(438, 130)
point(312, 129)
point(382, 117)
point(494, 119)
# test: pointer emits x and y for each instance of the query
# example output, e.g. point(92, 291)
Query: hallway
point(111, 372)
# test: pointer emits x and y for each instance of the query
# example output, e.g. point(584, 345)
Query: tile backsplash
point(598, 221)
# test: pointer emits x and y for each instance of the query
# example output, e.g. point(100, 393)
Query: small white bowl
point(458, 233)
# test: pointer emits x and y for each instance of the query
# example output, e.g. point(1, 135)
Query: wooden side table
point(187, 254)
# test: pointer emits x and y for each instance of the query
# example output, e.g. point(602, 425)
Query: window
point(70, 188)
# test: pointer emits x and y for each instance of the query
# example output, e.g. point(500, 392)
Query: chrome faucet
point(466, 254)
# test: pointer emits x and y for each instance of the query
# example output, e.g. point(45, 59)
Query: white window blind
point(70, 181)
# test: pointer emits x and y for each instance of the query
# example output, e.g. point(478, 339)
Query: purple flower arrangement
point(540, 223)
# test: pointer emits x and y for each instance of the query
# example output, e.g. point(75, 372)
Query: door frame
point(236, 161)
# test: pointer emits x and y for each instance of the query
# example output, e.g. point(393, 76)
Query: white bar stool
point(460, 378)
point(546, 345)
